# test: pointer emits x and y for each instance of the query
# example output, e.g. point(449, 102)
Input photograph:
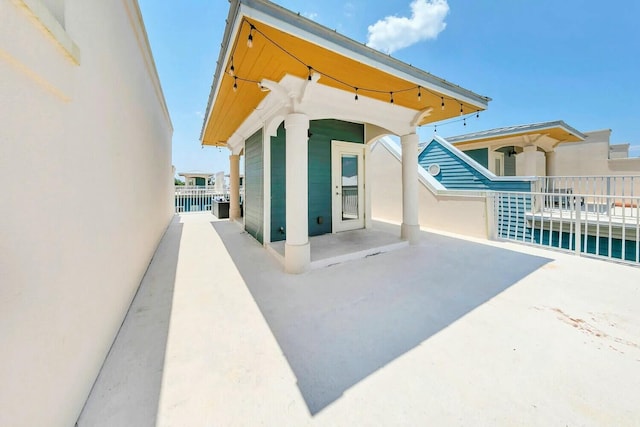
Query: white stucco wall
point(588, 157)
point(591, 158)
point(77, 232)
point(464, 215)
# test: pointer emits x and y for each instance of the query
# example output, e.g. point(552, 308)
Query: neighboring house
point(547, 149)
point(303, 104)
point(594, 156)
point(452, 187)
point(197, 179)
point(85, 155)
point(456, 170)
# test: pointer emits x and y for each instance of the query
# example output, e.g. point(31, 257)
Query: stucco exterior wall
point(588, 157)
point(76, 236)
point(454, 214)
point(591, 158)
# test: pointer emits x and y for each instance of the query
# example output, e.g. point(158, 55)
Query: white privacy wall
point(460, 214)
point(85, 166)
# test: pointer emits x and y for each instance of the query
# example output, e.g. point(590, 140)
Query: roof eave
point(460, 139)
point(313, 28)
point(234, 7)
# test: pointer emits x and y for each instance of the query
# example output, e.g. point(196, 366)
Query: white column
point(551, 163)
point(531, 162)
point(297, 253)
point(234, 187)
point(410, 229)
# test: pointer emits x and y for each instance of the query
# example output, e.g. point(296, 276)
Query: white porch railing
point(197, 198)
point(616, 186)
point(603, 226)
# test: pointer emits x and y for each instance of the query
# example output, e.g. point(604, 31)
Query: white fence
point(603, 226)
point(592, 186)
point(195, 198)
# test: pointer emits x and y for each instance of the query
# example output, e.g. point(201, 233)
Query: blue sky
point(571, 60)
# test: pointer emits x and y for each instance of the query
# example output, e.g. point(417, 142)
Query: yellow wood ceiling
point(267, 61)
point(558, 133)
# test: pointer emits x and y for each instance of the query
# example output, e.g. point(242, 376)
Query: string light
point(435, 128)
point(311, 71)
point(232, 69)
point(250, 39)
point(464, 121)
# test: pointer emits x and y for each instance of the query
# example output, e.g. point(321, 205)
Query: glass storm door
point(347, 175)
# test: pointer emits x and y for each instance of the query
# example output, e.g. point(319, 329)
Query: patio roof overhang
point(196, 174)
point(285, 43)
point(547, 136)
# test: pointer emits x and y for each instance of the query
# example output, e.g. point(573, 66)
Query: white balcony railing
point(197, 198)
point(590, 186)
point(604, 226)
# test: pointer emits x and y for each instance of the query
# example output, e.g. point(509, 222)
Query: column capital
point(296, 120)
point(410, 138)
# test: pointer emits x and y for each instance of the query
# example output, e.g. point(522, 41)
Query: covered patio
point(302, 104)
point(450, 331)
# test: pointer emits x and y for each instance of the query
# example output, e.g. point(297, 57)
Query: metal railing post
point(577, 208)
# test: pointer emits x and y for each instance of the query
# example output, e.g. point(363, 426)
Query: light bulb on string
point(461, 110)
point(235, 83)
point(356, 97)
point(464, 121)
point(478, 114)
point(232, 69)
point(250, 38)
point(442, 103)
point(419, 93)
point(391, 100)
point(310, 71)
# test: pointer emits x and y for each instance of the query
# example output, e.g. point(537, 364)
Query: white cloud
point(310, 15)
point(393, 32)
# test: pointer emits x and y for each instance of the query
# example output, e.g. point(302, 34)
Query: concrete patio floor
point(448, 332)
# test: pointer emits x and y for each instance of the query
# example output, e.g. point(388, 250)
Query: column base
point(234, 215)
point(411, 233)
point(297, 258)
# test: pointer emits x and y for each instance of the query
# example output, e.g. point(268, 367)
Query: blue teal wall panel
point(480, 155)
point(278, 186)
point(320, 199)
point(319, 180)
point(254, 186)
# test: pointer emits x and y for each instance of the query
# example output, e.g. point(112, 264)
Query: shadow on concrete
point(127, 390)
point(340, 324)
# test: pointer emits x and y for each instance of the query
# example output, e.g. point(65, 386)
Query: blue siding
point(480, 155)
point(512, 210)
point(319, 178)
point(254, 188)
point(457, 174)
point(278, 186)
